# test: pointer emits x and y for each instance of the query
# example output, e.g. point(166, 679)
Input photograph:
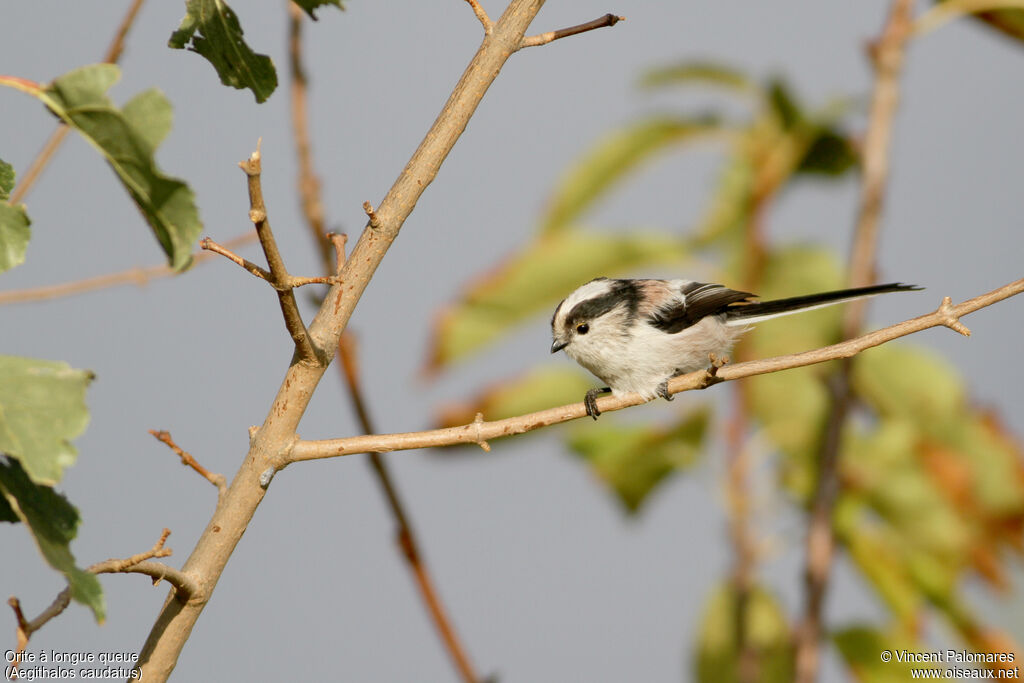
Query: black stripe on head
point(622, 293)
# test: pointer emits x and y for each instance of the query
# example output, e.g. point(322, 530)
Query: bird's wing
point(693, 302)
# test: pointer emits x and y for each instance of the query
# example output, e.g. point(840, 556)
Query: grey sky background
point(544, 577)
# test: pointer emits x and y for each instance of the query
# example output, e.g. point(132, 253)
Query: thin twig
point(217, 480)
point(312, 206)
point(481, 14)
point(944, 316)
point(290, 281)
point(209, 245)
point(279, 274)
point(887, 55)
point(545, 38)
point(112, 55)
point(139, 276)
point(185, 586)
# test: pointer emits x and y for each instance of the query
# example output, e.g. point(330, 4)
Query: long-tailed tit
point(636, 335)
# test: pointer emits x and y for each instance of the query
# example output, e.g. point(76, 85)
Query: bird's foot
point(663, 391)
point(590, 400)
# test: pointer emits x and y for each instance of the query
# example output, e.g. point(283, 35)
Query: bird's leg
point(663, 391)
point(590, 400)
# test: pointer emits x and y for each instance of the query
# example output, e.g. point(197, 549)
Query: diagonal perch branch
point(477, 432)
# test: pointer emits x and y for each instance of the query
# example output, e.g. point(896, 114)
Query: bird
point(637, 334)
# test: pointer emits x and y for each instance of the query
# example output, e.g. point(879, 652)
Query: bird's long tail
point(744, 313)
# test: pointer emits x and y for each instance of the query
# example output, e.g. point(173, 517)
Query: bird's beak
point(557, 346)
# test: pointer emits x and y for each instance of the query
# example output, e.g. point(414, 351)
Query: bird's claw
point(590, 401)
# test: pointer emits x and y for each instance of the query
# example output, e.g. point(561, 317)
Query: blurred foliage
point(310, 6)
point(633, 460)
point(1008, 20)
point(932, 487)
point(768, 639)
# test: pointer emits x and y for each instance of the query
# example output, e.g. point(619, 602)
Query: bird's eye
point(582, 328)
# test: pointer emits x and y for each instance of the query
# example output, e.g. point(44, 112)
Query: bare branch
point(545, 38)
point(481, 431)
point(482, 16)
point(209, 245)
point(133, 276)
point(112, 56)
point(887, 55)
point(276, 435)
point(217, 480)
point(279, 274)
point(185, 586)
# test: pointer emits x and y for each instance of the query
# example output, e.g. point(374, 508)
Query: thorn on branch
point(217, 480)
point(374, 220)
point(545, 38)
point(950, 319)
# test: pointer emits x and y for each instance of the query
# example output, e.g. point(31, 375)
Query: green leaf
point(211, 29)
point(539, 389)
point(6, 180)
point(767, 636)
point(310, 5)
point(784, 104)
point(42, 406)
point(150, 116)
point(698, 73)
point(897, 380)
point(614, 158)
point(53, 523)
point(633, 460)
point(536, 279)
point(830, 154)
point(7, 513)
point(127, 140)
point(862, 648)
point(14, 235)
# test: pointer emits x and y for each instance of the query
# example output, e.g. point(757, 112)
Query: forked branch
point(140, 563)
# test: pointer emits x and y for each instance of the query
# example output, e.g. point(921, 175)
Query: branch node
point(257, 215)
point(267, 476)
point(253, 431)
point(950, 319)
point(711, 373)
point(478, 422)
point(374, 219)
